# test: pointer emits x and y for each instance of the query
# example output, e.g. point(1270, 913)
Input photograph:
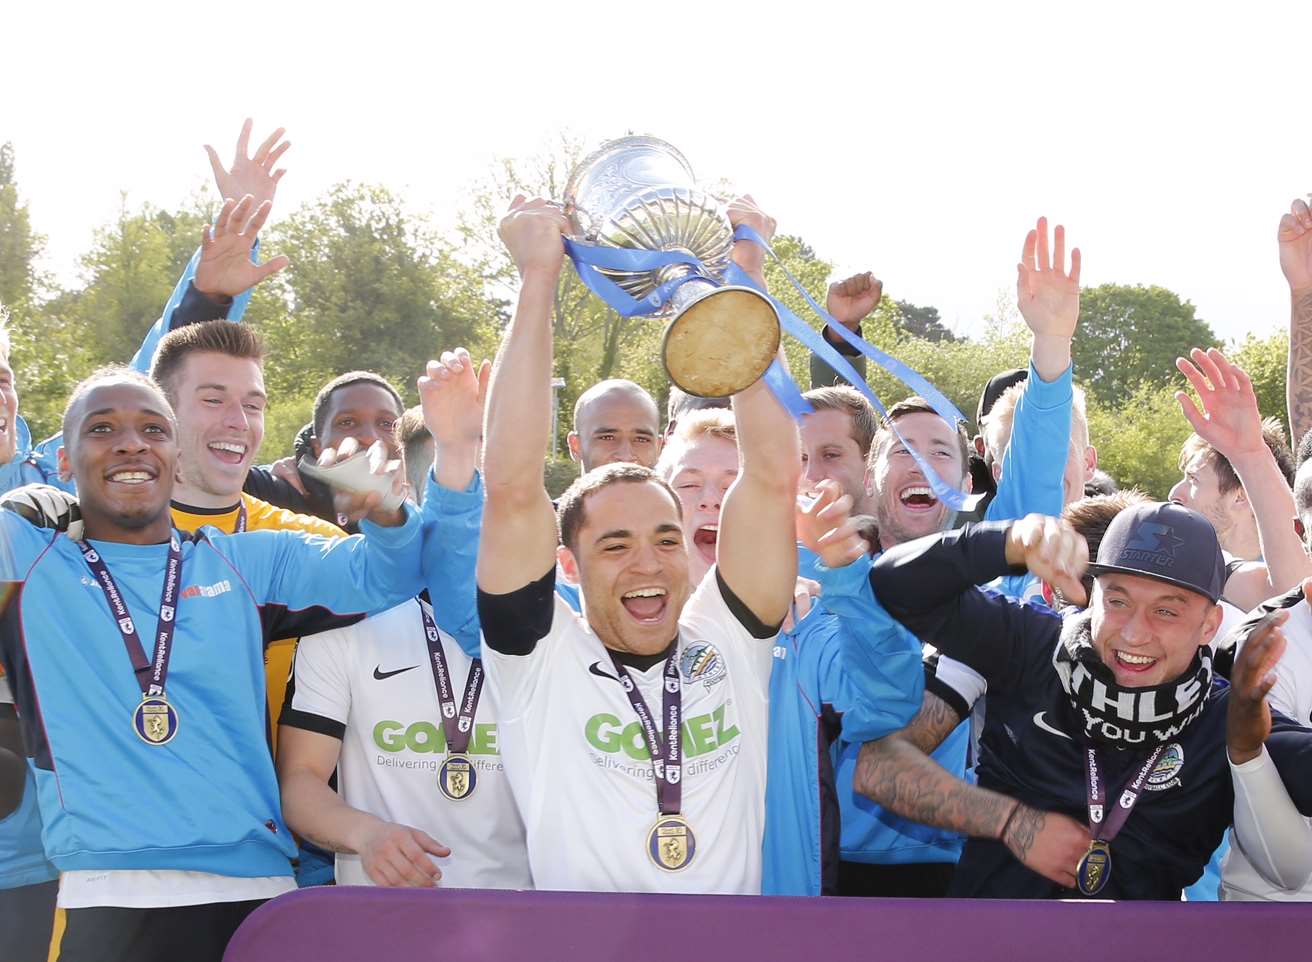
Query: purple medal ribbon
point(458, 725)
point(150, 674)
point(667, 752)
point(240, 526)
point(1096, 865)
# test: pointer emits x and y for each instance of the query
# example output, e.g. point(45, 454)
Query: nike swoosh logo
point(1038, 720)
point(595, 668)
point(380, 675)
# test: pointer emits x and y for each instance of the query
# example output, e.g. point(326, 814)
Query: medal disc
point(155, 721)
point(457, 777)
point(1094, 868)
point(671, 844)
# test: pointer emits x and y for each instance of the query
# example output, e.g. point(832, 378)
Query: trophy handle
point(721, 342)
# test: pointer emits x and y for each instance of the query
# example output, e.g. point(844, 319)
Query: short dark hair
point(1305, 447)
point(681, 403)
point(860, 412)
point(918, 405)
point(1273, 435)
point(110, 374)
point(212, 337)
point(326, 392)
point(570, 508)
point(1090, 516)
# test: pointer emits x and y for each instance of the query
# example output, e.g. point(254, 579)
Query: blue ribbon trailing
point(587, 260)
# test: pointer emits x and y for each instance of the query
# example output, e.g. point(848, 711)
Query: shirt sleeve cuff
point(396, 536)
point(1049, 394)
point(448, 501)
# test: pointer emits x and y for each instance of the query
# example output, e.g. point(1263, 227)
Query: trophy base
point(721, 343)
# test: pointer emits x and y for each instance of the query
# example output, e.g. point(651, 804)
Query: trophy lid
point(622, 166)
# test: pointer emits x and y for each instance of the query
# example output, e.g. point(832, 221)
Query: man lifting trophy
point(634, 200)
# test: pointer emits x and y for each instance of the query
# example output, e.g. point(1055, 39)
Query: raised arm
point(1034, 462)
point(1295, 239)
point(757, 550)
point(517, 545)
point(1229, 421)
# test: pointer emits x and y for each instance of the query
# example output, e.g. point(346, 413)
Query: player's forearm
point(454, 465)
point(1271, 831)
point(899, 776)
point(315, 812)
point(518, 424)
point(1298, 373)
point(1050, 355)
point(1272, 502)
point(768, 442)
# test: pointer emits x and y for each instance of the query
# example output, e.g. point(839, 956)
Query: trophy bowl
point(639, 193)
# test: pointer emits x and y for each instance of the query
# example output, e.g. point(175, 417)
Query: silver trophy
point(640, 193)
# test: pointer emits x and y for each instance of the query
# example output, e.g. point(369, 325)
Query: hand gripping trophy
point(638, 194)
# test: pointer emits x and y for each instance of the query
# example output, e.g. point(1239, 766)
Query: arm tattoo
point(1023, 830)
point(933, 723)
point(1298, 376)
point(895, 773)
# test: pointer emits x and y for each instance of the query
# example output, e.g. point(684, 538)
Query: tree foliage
point(922, 322)
point(1132, 335)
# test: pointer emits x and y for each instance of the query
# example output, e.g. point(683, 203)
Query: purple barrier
point(399, 925)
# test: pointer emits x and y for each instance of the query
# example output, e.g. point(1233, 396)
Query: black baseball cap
point(1167, 542)
point(998, 383)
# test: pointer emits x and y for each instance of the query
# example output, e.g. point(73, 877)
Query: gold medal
point(457, 778)
point(671, 844)
point(1095, 868)
point(155, 721)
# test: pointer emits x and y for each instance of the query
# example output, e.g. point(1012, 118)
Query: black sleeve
point(515, 622)
point(936, 686)
point(304, 720)
point(1290, 747)
point(261, 483)
point(196, 307)
point(746, 617)
point(13, 767)
point(929, 586)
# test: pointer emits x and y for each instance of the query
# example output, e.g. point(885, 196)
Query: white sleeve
point(1273, 834)
point(319, 694)
point(514, 679)
point(6, 696)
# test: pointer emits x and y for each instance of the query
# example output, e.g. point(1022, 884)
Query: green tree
point(1263, 359)
point(371, 286)
point(1139, 440)
point(20, 246)
point(923, 322)
point(1132, 335)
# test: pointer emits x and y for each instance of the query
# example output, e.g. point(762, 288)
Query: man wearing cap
point(1103, 769)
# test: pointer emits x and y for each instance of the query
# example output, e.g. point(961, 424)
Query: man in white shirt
point(634, 735)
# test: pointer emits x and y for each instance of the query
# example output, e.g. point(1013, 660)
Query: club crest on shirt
point(702, 662)
point(1166, 772)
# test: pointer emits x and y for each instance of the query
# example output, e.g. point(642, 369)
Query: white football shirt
point(371, 685)
point(581, 772)
point(1292, 697)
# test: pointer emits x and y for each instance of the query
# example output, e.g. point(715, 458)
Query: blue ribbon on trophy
point(637, 196)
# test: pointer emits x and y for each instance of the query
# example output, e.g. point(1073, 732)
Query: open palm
point(1048, 296)
point(225, 268)
point(254, 175)
point(1229, 419)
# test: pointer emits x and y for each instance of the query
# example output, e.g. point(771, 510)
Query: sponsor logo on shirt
point(427, 738)
point(701, 734)
point(207, 591)
point(702, 662)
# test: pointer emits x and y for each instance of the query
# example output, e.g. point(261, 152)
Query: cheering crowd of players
point(740, 654)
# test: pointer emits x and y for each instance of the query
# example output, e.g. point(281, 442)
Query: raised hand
point(1295, 238)
point(1051, 549)
point(1048, 296)
point(852, 299)
point(1248, 717)
point(250, 175)
point(1047, 843)
point(452, 393)
point(746, 254)
point(827, 526)
point(533, 232)
point(225, 268)
point(397, 856)
point(1229, 420)
point(367, 495)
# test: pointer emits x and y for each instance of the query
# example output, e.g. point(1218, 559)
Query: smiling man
point(615, 421)
point(1103, 768)
point(146, 695)
point(634, 735)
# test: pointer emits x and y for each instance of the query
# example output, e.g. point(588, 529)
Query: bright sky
point(919, 142)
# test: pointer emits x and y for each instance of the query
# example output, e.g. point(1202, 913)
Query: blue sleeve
point(1034, 464)
point(878, 670)
point(305, 582)
point(171, 318)
point(33, 464)
point(452, 520)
